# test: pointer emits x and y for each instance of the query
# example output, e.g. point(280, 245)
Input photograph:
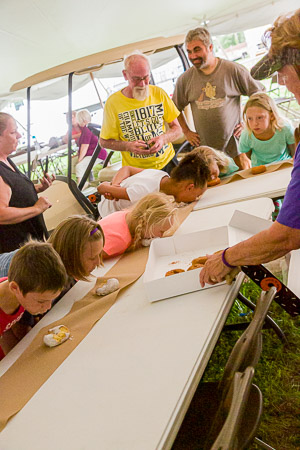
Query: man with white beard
point(134, 119)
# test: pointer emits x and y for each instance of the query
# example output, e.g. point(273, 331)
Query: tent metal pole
point(182, 56)
point(28, 133)
point(97, 92)
point(70, 78)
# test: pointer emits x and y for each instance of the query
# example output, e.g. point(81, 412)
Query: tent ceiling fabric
point(97, 60)
point(40, 34)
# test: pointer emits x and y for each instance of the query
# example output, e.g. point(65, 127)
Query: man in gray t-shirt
point(213, 87)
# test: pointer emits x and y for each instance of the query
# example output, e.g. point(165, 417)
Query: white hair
point(83, 117)
point(129, 59)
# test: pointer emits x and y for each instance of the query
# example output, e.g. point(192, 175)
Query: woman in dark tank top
point(21, 211)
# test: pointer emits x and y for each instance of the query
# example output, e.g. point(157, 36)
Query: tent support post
point(182, 56)
point(28, 133)
point(70, 78)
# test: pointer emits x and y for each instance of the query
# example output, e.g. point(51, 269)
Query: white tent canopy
point(40, 34)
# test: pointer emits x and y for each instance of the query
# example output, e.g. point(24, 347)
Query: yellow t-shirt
point(128, 119)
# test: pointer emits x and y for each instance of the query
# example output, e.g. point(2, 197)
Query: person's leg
point(81, 168)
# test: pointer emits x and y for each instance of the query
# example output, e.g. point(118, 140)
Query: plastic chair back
point(64, 202)
point(247, 350)
point(230, 437)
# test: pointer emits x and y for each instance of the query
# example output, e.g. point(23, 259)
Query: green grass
point(276, 374)
point(116, 157)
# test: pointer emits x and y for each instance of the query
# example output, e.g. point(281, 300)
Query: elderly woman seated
point(87, 143)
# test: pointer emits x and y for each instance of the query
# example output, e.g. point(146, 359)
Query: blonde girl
point(267, 137)
point(150, 217)
point(218, 162)
point(79, 242)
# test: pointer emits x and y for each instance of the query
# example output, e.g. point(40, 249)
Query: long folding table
point(128, 384)
point(270, 184)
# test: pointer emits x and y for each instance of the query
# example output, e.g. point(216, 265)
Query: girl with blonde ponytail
point(125, 230)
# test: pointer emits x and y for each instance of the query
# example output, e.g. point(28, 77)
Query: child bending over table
point(268, 137)
point(218, 162)
point(186, 183)
point(36, 276)
point(79, 242)
point(149, 218)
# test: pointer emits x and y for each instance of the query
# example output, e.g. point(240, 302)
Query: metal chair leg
point(269, 322)
point(262, 444)
point(268, 319)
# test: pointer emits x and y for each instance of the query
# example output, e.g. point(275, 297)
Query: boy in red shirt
point(36, 276)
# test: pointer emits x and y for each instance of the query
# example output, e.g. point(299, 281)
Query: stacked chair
point(225, 415)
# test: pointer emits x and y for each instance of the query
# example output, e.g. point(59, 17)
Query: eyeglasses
point(139, 79)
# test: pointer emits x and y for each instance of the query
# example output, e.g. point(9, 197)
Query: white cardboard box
point(178, 251)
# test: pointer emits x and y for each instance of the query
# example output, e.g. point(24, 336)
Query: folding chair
point(232, 435)
point(66, 201)
point(205, 416)
point(269, 322)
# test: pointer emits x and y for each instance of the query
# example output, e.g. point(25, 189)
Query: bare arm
point(125, 172)
point(249, 154)
point(263, 247)
point(242, 161)
point(192, 136)
point(115, 192)
point(10, 214)
point(138, 147)
point(82, 151)
point(7, 341)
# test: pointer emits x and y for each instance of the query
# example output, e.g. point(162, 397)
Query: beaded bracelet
point(224, 260)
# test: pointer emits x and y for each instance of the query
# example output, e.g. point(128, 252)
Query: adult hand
point(45, 182)
point(193, 138)
point(138, 147)
point(42, 204)
point(238, 130)
point(214, 271)
point(156, 143)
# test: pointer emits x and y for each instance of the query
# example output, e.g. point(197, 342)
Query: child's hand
point(238, 130)
point(109, 196)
